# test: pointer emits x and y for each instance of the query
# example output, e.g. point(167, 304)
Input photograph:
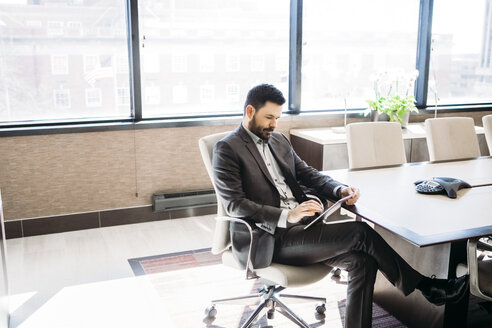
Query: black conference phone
point(441, 185)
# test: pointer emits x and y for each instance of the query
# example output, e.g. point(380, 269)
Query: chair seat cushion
point(284, 275)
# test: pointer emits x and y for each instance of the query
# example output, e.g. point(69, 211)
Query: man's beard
point(259, 131)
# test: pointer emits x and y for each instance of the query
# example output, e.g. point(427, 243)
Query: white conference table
point(429, 231)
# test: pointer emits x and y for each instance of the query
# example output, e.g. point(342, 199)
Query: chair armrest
point(249, 271)
point(473, 268)
point(484, 246)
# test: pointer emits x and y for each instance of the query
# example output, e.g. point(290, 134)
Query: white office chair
point(276, 277)
point(479, 268)
point(451, 138)
point(487, 126)
point(371, 144)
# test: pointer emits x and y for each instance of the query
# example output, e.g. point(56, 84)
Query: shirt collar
point(254, 137)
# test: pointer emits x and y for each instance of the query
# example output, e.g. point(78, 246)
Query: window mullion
point(134, 60)
point(295, 56)
point(424, 51)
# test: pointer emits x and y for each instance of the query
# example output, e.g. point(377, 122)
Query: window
point(61, 98)
point(93, 97)
point(460, 63)
point(207, 93)
point(206, 50)
point(59, 64)
point(68, 60)
point(179, 64)
point(232, 93)
point(152, 95)
point(123, 96)
point(52, 50)
point(343, 47)
point(180, 94)
point(55, 28)
point(91, 62)
point(257, 63)
point(207, 64)
point(233, 63)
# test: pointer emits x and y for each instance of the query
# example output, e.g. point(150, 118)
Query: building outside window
point(179, 63)
point(59, 64)
point(344, 48)
point(93, 97)
point(257, 63)
point(152, 95)
point(123, 96)
point(460, 63)
point(207, 64)
point(197, 38)
point(62, 98)
point(233, 62)
point(180, 94)
point(91, 62)
point(232, 92)
point(49, 52)
point(207, 93)
point(54, 28)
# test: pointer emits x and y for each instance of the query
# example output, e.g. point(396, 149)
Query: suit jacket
point(248, 191)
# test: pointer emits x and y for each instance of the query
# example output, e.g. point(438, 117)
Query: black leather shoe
point(440, 291)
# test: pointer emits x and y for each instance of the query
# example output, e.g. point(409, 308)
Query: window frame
point(293, 106)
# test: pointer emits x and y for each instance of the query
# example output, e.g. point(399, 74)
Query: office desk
point(429, 231)
point(326, 148)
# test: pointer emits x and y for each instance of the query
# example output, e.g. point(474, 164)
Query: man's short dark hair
point(260, 94)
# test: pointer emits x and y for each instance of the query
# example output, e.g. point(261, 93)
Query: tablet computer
point(329, 211)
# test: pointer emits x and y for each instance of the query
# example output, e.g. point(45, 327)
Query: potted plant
point(394, 106)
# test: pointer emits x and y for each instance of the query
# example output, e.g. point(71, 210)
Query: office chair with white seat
point(487, 126)
point(372, 144)
point(276, 277)
point(479, 268)
point(450, 138)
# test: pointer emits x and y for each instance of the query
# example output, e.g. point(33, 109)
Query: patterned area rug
point(187, 281)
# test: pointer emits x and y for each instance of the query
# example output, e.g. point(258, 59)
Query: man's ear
point(250, 111)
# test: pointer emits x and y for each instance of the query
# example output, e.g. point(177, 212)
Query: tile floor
point(83, 279)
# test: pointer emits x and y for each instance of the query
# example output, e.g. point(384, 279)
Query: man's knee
point(362, 261)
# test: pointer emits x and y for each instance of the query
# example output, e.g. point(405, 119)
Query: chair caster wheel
point(320, 308)
point(211, 312)
point(336, 272)
point(270, 314)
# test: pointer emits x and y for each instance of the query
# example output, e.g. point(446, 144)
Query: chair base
point(269, 297)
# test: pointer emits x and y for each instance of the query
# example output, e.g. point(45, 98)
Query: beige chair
point(487, 126)
point(450, 138)
point(479, 268)
point(373, 144)
point(276, 277)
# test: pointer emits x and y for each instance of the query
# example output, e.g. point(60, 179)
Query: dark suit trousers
point(355, 247)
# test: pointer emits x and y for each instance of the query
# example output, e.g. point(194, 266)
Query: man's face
point(264, 121)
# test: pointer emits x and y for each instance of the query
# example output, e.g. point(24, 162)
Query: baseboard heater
point(182, 200)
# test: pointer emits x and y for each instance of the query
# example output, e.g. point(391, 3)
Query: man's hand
point(350, 190)
point(308, 208)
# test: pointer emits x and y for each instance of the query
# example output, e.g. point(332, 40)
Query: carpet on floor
point(187, 281)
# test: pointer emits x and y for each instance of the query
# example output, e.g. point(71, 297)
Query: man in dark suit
point(260, 178)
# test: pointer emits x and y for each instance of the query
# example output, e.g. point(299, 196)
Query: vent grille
point(182, 200)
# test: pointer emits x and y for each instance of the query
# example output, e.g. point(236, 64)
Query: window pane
point(63, 60)
point(347, 42)
point(461, 66)
point(204, 56)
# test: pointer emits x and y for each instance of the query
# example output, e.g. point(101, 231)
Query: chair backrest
point(373, 144)
point(221, 239)
point(487, 126)
point(451, 138)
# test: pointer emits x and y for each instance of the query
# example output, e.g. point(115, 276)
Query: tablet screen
point(329, 211)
